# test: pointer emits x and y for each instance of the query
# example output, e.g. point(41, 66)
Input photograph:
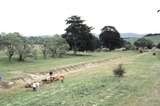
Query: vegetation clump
point(119, 71)
point(154, 54)
point(142, 43)
point(128, 46)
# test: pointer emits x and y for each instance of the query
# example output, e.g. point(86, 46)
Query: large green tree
point(110, 37)
point(78, 34)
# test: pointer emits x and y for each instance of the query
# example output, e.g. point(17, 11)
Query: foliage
point(110, 38)
point(54, 46)
point(142, 42)
point(44, 46)
point(158, 45)
point(119, 71)
point(11, 41)
point(1, 42)
point(128, 46)
point(16, 44)
point(36, 39)
point(58, 46)
point(23, 48)
point(35, 53)
point(93, 43)
point(78, 34)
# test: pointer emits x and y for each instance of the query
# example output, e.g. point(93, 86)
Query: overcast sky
point(43, 17)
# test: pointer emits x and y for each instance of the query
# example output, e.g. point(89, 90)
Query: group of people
point(52, 77)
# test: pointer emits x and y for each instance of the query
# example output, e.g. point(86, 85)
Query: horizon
point(47, 17)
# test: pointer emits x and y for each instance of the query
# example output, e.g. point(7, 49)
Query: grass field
point(15, 68)
point(97, 86)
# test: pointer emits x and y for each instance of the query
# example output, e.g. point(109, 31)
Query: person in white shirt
point(35, 86)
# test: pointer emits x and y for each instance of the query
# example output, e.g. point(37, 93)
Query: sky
point(47, 17)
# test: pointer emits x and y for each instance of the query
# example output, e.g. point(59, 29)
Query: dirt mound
point(6, 84)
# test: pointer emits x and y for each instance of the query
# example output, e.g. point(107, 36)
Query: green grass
point(97, 87)
point(9, 70)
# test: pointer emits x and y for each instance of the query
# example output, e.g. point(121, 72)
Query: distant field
point(97, 86)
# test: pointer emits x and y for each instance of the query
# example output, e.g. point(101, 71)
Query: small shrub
point(140, 51)
point(119, 71)
point(154, 54)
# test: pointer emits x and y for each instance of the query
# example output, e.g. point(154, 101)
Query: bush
point(142, 42)
point(140, 51)
point(128, 45)
point(154, 54)
point(119, 71)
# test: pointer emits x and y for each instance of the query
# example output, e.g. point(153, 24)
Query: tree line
point(23, 47)
point(77, 37)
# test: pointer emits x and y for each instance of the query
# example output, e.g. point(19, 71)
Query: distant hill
point(126, 35)
point(155, 34)
point(154, 37)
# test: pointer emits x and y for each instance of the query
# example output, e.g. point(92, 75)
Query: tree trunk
point(10, 57)
point(44, 54)
point(74, 52)
point(21, 57)
point(53, 53)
